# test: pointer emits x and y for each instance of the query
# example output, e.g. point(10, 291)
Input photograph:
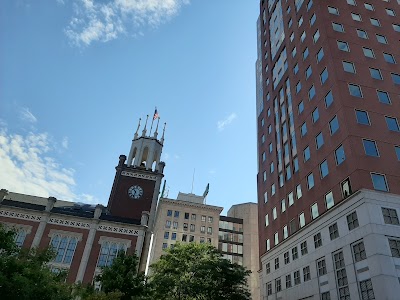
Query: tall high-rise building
point(328, 111)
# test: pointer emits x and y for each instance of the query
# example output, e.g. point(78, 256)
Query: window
point(362, 117)
point(269, 129)
point(271, 167)
point(333, 231)
point(356, 17)
point(355, 90)
point(320, 54)
point(305, 53)
point(394, 247)
point(298, 191)
point(328, 99)
point(397, 150)
point(351, 2)
point(192, 227)
point(270, 151)
point(288, 281)
point(346, 188)
point(296, 69)
point(368, 6)
point(268, 268)
point(334, 125)
point(286, 258)
point(302, 220)
point(340, 156)
point(276, 238)
point(203, 228)
point(303, 129)
point(319, 140)
point(108, 251)
point(273, 189)
point(312, 20)
point(375, 73)
point(283, 205)
point(300, 22)
point(268, 246)
point(309, 5)
point(362, 34)
point(274, 213)
point(269, 288)
point(301, 107)
point(186, 216)
point(316, 36)
point(294, 52)
point(173, 236)
point(314, 211)
point(368, 52)
point(315, 115)
point(184, 237)
point(337, 27)
point(175, 225)
point(343, 46)
point(323, 167)
point(389, 58)
point(392, 124)
point(379, 182)
point(176, 214)
point(370, 148)
point(169, 213)
point(367, 291)
point(296, 276)
point(321, 266)
point(396, 27)
point(375, 22)
point(396, 78)
point(381, 39)
point(209, 230)
point(210, 219)
point(324, 76)
point(390, 12)
point(352, 220)
point(310, 181)
point(329, 201)
point(278, 286)
point(359, 252)
point(298, 87)
point(311, 93)
point(333, 10)
point(19, 236)
point(303, 248)
point(277, 263)
point(317, 240)
point(383, 97)
point(185, 226)
point(295, 165)
point(308, 72)
point(306, 273)
point(303, 36)
point(164, 245)
point(167, 224)
point(349, 67)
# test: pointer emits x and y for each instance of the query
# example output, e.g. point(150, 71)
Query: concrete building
point(327, 120)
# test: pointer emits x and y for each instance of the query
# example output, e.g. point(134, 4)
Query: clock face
point(135, 192)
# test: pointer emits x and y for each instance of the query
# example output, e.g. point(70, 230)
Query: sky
point(76, 76)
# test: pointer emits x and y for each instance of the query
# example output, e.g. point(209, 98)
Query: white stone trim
point(70, 223)
point(104, 239)
point(139, 175)
point(17, 215)
point(26, 228)
point(120, 230)
point(53, 232)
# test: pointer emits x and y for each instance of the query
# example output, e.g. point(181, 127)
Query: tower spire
point(144, 129)
point(156, 132)
point(137, 130)
point(163, 133)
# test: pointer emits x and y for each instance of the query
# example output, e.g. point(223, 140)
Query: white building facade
point(350, 252)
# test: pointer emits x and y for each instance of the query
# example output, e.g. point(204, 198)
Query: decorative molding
point(77, 235)
point(104, 239)
point(139, 175)
point(22, 216)
point(17, 226)
point(69, 223)
point(121, 230)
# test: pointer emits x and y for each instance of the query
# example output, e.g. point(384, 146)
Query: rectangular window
point(203, 228)
point(306, 273)
point(173, 236)
point(333, 10)
point(169, 213)
point(381, 39)
point(209, 230)
point(390, 12)
point(311, 93)
point(394, 247)
point(317, 240)
point(329, 201)
point(343, 46)
point(283, 205)
point(389, 58)
point(362, 34)
point(269, 288)
point(375, 22)
point(355, 90)
point(340, 156)
point(383, 97)
point(314, 211)
point(167, 224)
point(397, 150)
point(288, 281)
point(310, 181)
point(278, 286)
point(348, 67)
point(302, 220)
point(337, 27)
point(176, 214)
point(210, 219)
point(379, 182)
point(396, 27)
point(192, 227)
point(286, 257)
point(320, 55)
point(352, 221)
point(334, 125)
point(268, 268)
point(328, 99)
point(166, 235)
point(303, 129)
point(375, 73)
point(290, 199)
point(333, 231)
point(108, 251)
point(367, 291)
point(306, 153)
point(186, 216)
point(359, 252)
point(370, 148)
point(324, 76)
point(296, 276)
point(295, 253)
point(362, 117)
point(392, 124)
point(185, 226)
point(390, 216)
point(326, 296)
point(276, 238)
point(276, 263)
point(303, 247)
point(184, 237)
point(299, 194)
point(356, 17)
point(321, 266)
point(319, 140)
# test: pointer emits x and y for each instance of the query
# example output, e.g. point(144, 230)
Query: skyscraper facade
point(328, 111)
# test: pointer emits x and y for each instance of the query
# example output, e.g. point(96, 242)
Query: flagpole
point(152, 121)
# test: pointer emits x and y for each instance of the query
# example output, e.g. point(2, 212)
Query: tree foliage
point(24, 274)
point(198, 271)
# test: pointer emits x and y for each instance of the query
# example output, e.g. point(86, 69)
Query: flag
point(155, 114)
point(206, 191)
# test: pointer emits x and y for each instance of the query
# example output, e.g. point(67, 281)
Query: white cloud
point(225, 122)
point(26, 115)
point(164, 156)
point(60, 2)
point(27, 167)
point(89, 199)
point(65, 142)
point(107, 20)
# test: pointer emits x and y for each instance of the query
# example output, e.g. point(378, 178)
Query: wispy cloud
point(28, 167)
point(26, 115)
point(225, 122)
point(105, 21)
point(65, 142)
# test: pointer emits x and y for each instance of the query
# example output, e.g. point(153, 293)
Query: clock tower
point(137, 179)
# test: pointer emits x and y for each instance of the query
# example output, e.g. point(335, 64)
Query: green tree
point(122, 277)
point(25, 275)
point(198, 271)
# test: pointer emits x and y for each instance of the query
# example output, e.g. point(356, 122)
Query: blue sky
point(76, 75)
